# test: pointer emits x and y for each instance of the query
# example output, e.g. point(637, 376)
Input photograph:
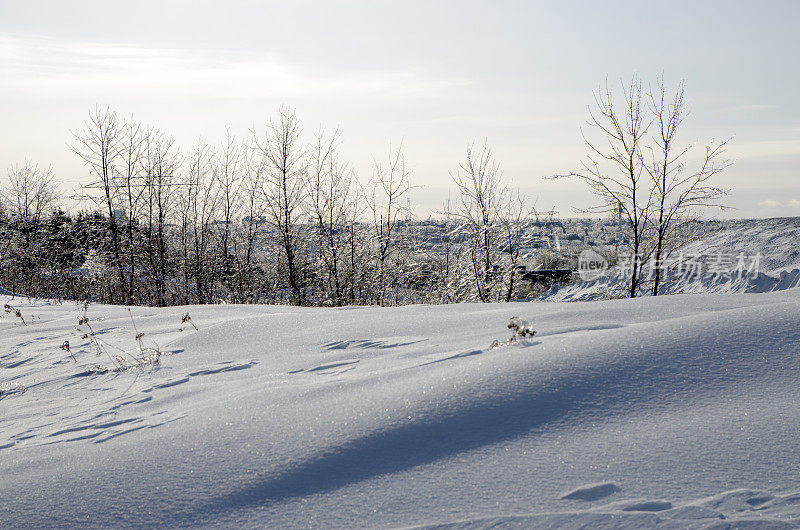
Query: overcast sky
point(433, 75)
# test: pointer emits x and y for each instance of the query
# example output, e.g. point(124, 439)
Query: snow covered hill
point(776, 239)
point(676, 411)
point(766, 250)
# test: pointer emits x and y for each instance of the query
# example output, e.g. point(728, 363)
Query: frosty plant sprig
point(149, 356)
point(17, 313)
point(521, 330)
point(65, 346)
point(186, 318)
point(139, 335)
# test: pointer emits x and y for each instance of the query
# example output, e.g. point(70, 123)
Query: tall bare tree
point(384, 198)
point(514, 216)
point(285, 191)
point(252, 188)
point(161, 162)
point(479, 184)
point(333, 208)
point(130, 188)
point(615, 169)
point(199, 198)
point(227, 170)
point(98, 145)
point(677, 190)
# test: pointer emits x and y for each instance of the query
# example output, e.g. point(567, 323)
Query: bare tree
point(386, 190)
point(98, 145)
point(130, 186)
point(447, 258)
point(252, 187)
point(30, 191)
point(285, 191)
point(676, 190)
point(198, 208)
point(160, 164)
point(514, 216)
point(478, 182)
point(227, 170)
point(333, 207)
point(615, 168)
point(27, 201)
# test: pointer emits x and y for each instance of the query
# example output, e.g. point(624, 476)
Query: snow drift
point(675, 411)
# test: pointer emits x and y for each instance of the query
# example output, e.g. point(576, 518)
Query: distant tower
point(619, 224)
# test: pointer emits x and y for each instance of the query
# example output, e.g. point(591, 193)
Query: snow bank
point(381, 417)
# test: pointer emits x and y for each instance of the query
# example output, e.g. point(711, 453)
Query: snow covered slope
point(776, 239)
point(770, 248)
point(675, 411)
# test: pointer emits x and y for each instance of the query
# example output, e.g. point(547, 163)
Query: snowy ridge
point(382, 417)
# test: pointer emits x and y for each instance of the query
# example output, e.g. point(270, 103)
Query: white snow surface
point(674, 412)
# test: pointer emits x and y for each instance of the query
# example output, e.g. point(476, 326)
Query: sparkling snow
point(677, 411)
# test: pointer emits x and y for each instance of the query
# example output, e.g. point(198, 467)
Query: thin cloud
point(62, 69)
point(765, 148)
point(772, 203)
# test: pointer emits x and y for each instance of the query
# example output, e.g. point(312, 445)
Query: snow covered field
point(679, 411)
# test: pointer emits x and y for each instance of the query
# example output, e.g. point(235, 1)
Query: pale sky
point(433, 75)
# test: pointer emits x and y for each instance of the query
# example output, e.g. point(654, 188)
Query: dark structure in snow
point(547, 277)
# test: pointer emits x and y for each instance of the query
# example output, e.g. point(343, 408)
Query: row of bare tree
point(278, 218)
point(268, 219)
